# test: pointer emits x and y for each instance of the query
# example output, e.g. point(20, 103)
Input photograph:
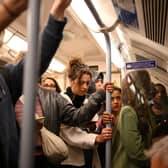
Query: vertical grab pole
point(108, 98)
point(108, 76)
point(30, 76)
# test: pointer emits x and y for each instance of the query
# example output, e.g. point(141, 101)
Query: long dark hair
point(135, 89)
point(160, 87)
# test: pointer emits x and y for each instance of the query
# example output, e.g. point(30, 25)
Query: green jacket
point(127, 145)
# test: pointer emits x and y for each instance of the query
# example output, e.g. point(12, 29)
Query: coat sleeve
point(131, 137)
point(80, 138)
point(51, 38)
point(80, 116)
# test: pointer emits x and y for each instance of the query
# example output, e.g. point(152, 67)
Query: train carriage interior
point(113, 37)
point(138, 31)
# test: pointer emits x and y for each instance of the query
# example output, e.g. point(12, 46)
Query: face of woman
point(49, 84)
point(80, 87)
point(159, 94)
point(116, 101)
point(98, 84)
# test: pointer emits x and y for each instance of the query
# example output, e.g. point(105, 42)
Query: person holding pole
point(132, 130)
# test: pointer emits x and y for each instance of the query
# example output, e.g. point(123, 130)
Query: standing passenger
point(76, 138)
point(132, 133)
point(57, 110)
point(160, 94)
point(116, 104)
point(159, 112)
point(11, 77)
point(51, 83)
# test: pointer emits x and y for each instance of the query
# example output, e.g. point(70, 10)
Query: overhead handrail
point(30, 79)
point(106, 29)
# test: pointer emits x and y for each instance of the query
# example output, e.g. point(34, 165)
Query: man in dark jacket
point(11, 76)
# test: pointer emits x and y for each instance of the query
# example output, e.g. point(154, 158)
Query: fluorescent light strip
point(85, 15)
point(56, 65)
point(15, 43)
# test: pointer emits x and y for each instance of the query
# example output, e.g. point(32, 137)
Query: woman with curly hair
point(77, 139)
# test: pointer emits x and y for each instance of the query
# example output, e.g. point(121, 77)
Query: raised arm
point(80, 116)
point(53, 32)
point(51, 38)
point(9, 10)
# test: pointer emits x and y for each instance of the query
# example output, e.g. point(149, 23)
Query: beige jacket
point(77, 140)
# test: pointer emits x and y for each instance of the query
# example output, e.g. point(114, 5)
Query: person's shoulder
point(127, 110)
point(4, 71)
point(65, 96)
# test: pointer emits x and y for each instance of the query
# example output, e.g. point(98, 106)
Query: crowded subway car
point(83, 84)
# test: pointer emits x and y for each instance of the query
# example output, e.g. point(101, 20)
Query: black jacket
point(11, 89)
point(59, 110)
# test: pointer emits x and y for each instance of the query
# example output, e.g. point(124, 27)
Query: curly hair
point(77, 68)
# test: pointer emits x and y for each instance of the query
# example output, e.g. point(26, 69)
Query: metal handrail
point(30, 79)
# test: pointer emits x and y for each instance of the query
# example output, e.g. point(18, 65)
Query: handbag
point(54, 148)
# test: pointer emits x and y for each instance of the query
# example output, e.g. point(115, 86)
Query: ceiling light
point(116, 57)
point(56, 65)
point(68, 35)
point(14, 42)
point(125, 50)
point(84, 14)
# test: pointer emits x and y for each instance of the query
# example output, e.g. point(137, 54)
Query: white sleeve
point(75, 136)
